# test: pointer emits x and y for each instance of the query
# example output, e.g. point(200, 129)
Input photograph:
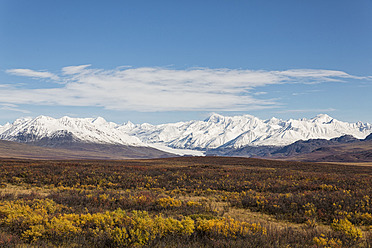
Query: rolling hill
point(9, 149)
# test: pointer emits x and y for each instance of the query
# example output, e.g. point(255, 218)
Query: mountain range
point(217, 135)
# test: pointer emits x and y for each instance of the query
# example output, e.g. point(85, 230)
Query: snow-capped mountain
point(238, 131)
point(90, 130)
point(217, 131)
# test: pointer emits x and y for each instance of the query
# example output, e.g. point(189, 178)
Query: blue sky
point(167, 61)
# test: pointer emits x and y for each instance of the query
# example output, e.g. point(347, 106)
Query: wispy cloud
point(32, 73)
point(13, 107)
point(305, 92)
point(311, 76)
point(160, 89)
point(306, 110)
point(260, 93)
point(70, 70)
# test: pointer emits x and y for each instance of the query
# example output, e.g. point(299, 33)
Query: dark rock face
point(57, 139)
point(369, 137)
point(61, 136)
point(308, 146)
point(345, 139)
point(25, 138)
point(301, 147)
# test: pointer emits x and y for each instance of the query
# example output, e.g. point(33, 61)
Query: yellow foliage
point(327, 187)
point(310, 209)
point(346, 228)
point(21, 214)
point(229, 227)
point(193, 203)
point(63, 226)
point(324, 242)
point(168, 202)
point(38, 220)
point(142, 229)
point(34, 233)
point(365, 218)
point(310, 213)
point(103, 197)
point(57, 227)
point(125, 229)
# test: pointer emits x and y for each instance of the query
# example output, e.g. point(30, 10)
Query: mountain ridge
point(217, 131)
point(341, 149)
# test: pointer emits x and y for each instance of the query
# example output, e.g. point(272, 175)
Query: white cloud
point(70, 70)
point(312, 76)
point(161, 89)
point(298, 93)
point(32, 73)
point(13, 107)
point(316, 73)
point(306, 110)
point(260, 93)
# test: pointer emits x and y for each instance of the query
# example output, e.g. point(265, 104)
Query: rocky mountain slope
point(355, 151)
point(344, 148)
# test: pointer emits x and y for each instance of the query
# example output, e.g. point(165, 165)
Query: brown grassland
point(184, 202)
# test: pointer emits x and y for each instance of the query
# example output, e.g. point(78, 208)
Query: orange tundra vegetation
point(184, 202)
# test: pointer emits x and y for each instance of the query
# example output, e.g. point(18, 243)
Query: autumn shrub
point(19, 215)
point(96, 200)
point(168, 202)
point(295, 206)
point(310, 214)
point(347, 231)
point(34, 222)
point(228, 227)
point(324, 242)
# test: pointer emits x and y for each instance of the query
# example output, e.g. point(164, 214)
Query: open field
point(351, 163)
point(184, 202)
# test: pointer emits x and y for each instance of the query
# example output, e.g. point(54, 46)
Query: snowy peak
point(322, 118)
point(82, 129)
point(273, 121)
point(99, 121)
point(215, 118)
point(238, 131)
point(214, 132)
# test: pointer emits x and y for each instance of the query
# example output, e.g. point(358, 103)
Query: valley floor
point(351, 163)
point(184, 202)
